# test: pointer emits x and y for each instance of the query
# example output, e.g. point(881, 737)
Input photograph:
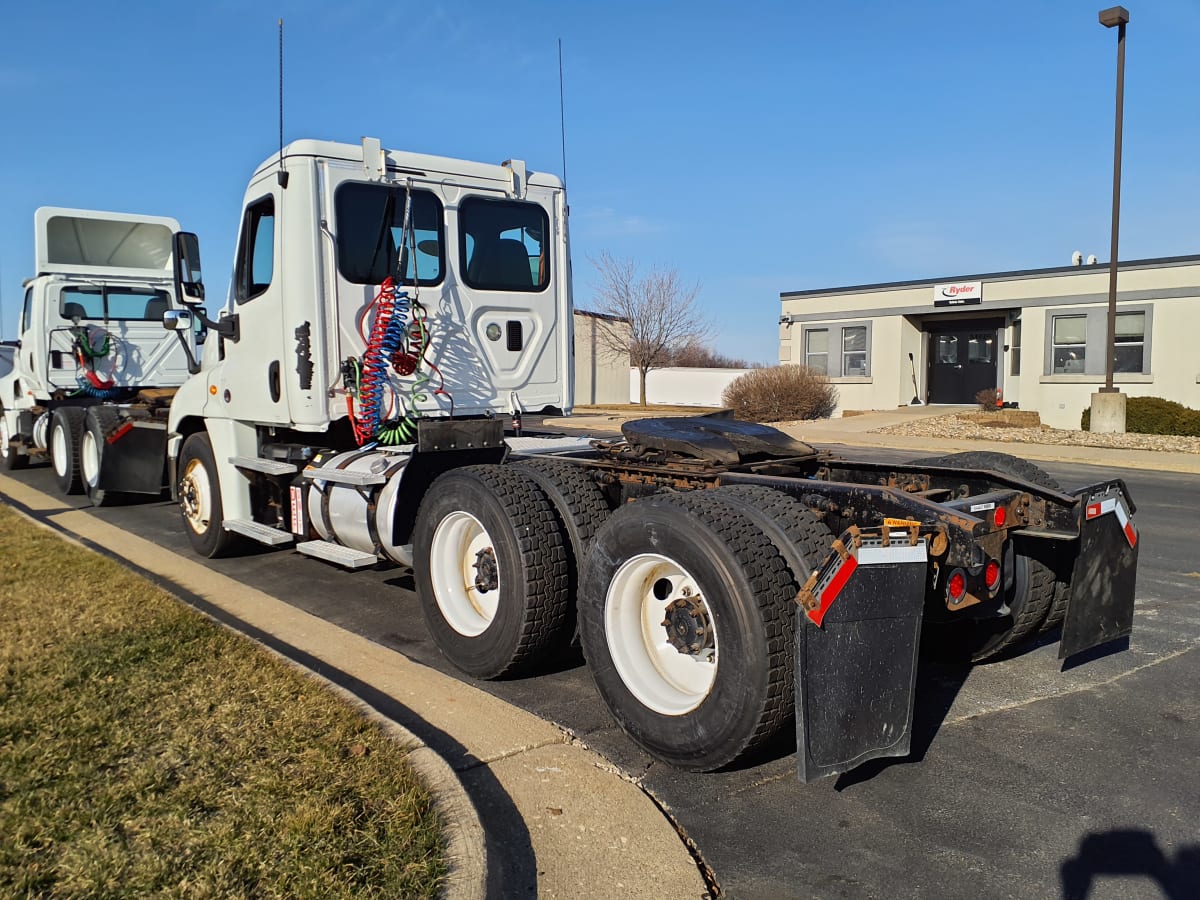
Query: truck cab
point(90, 331)
point(470, 259)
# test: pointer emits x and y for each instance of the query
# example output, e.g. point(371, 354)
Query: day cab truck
point(390, 313)
point(92, 373)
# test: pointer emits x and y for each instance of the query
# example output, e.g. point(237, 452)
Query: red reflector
point(120, 432)
point(1131, 534)
point(991, 575)
point(957, 586)
point(1093, 510)
point(1000, 516)
point(835, 587)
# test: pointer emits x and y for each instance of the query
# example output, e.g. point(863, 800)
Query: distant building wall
point(601, 376)
point(683, 386)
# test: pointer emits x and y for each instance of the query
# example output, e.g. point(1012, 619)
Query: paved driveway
point(1026, 781)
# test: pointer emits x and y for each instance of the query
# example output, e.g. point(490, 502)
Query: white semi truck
point(389, 312)
point(91, 355)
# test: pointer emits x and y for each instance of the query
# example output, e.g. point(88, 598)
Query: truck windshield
point(370, 218)
point(102, 303)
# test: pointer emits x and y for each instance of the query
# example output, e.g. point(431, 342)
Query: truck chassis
point(723, 579)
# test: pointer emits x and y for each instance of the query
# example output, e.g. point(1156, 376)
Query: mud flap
point(1104, 578)
point(856, 657)
point(133, 460)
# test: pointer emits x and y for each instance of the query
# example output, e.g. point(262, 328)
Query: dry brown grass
point(145, 750)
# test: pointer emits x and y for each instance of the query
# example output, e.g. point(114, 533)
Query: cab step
point(266, 466)
point(257, 531)
point(336, 553)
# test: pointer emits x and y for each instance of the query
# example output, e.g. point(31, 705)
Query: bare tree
point(660, 310)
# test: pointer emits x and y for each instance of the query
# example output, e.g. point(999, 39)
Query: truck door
point(250, 384)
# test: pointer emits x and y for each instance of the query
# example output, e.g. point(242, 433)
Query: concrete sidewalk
point(558, 820)
point(857, 431)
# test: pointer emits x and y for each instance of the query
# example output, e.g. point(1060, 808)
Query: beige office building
point(1039, 336)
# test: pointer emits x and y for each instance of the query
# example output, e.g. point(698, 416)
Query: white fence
point(684, 386)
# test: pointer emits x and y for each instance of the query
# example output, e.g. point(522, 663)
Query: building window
point(854, 350)
point(816, 349)
point(1130, 342)
point(839, 351)
point(946, 349)
point(1070, 345)
point(1077, 341)
point(1015, 348)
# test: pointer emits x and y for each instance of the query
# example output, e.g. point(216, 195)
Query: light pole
point(1112, 410)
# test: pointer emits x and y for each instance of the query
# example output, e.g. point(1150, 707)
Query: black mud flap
point(856, 656)
point(133, 461)
point(1103, 581)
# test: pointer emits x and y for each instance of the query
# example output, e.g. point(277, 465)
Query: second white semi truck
point(91, 356)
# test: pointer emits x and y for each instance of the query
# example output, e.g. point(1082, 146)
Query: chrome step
point(336, 553)
point(266, 466)
point(264, 534)
point(344, 476)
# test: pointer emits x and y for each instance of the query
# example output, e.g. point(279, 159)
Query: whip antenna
point(281, 175)
point(562, 119)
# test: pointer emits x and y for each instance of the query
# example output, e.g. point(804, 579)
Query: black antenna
point(281, 176)
point(562, 116)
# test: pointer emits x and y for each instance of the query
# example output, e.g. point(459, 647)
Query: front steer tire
point(717, 685)
point(10, 458)
point(199, 492)
point(490, 566)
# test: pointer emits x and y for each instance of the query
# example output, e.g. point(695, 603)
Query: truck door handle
point(273, 381)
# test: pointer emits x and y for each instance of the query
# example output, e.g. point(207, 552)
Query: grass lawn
point(146, 750)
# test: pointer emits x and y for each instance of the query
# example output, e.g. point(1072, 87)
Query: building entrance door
point(963, 359)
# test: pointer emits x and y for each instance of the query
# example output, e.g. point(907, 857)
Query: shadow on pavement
point(1125, 852)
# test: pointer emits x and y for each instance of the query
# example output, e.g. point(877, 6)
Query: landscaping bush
point(780, 394)
point(1154, 415)
point(988, 399)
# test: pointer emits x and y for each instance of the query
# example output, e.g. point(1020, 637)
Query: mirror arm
point(227, 327)
point(192, 365)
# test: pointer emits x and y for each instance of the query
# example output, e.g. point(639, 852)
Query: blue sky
point(754, 147)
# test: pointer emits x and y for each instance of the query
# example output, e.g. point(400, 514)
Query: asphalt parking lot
point(1025, 780)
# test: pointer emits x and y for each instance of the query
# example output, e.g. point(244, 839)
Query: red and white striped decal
point(1115, 506)
point(872, 552)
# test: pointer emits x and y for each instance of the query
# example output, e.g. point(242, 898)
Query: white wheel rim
point(195, 496)
point(459, 542)
point(58, 449)
point(5, 436)
point(89, 459)
point(661, 677)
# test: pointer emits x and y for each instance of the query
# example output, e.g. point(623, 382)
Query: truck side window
point(370, 219)
point(27, 309)
point(256, 252)
point(504, 245)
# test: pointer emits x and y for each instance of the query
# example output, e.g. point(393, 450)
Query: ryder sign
point(960, 293)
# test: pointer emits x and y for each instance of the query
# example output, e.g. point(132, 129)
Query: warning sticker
point(901, 523)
